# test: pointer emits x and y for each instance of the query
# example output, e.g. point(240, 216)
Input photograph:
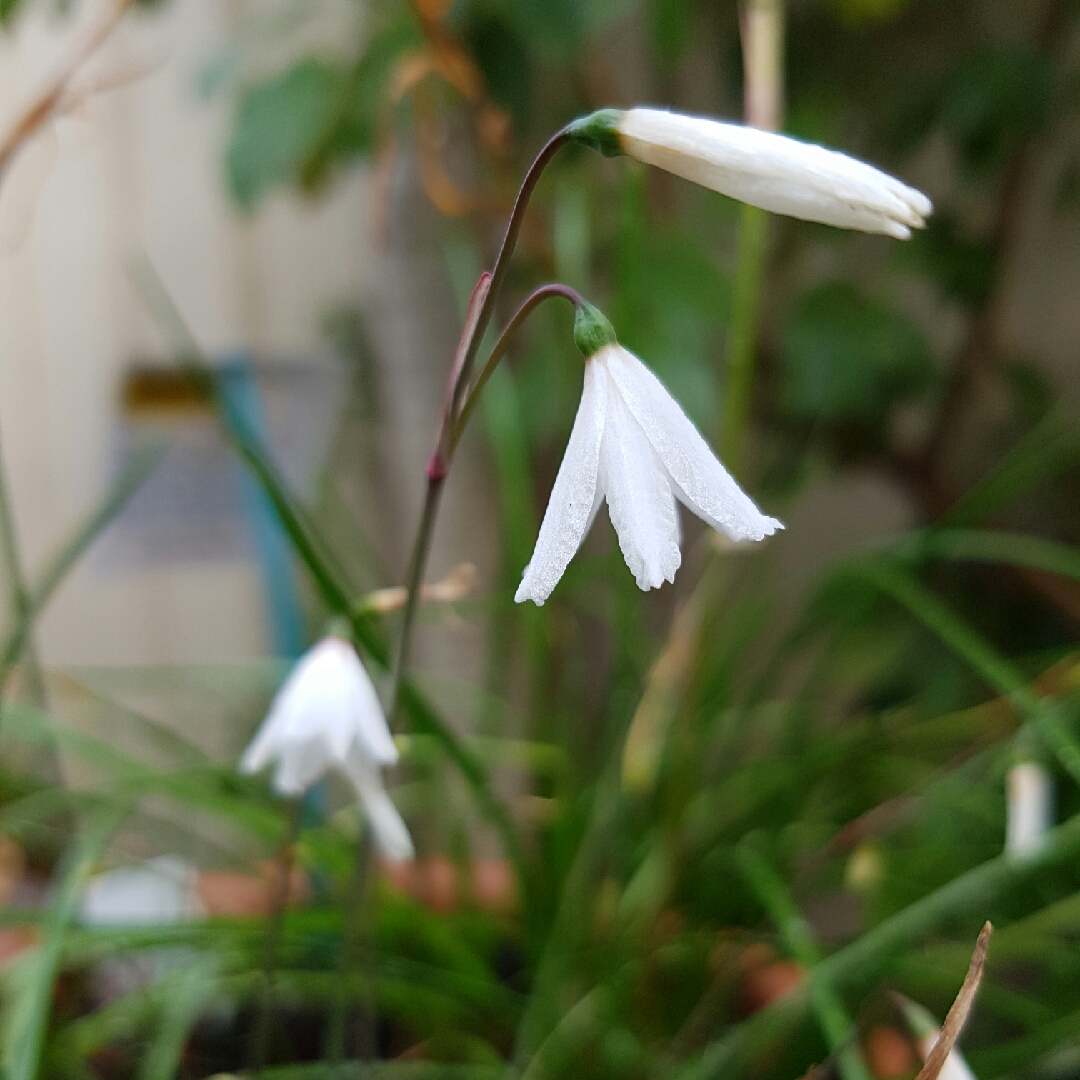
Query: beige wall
point(140, 169)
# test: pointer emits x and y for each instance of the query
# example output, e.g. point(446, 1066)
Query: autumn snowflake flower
point(327, 716)
point(632, 446)
point(774, 172)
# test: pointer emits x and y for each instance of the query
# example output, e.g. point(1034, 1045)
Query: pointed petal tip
point(254, 758)
point(521, 596)
point(921, 204)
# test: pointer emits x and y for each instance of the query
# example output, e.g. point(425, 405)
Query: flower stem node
point(592, 331)
point(599, 131)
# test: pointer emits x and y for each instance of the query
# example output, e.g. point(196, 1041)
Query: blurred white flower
point(158, 892)
point(1029, 797)
point(632, 445)
point(162, 891)
point(327, 715)
point(774, 172)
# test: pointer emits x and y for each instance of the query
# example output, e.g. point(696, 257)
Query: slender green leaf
point(995, 547)
point(977, 651)
point(182, 994)
point(138, 468)
point(28, 1014)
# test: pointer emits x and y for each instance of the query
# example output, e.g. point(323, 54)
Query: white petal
point(300, 764)
point(269, 739)
point(573, 496)
point(640, 502)
point(332, 691)
point(701, 482)
point(388, 828)
point(373, 732)
point(1029, 793)
point(774, 172)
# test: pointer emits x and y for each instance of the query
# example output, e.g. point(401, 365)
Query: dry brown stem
point(51, 98)
point(954, 1022)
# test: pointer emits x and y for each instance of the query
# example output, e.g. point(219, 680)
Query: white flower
point(632, 445)
point(327, 715)
point(158, 892)
point(774, 172)
point(1028, 804)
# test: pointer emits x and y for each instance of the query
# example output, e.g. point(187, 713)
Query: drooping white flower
point(327, 716)
point(1029, 797)
point(774, 172)
point(633, 446)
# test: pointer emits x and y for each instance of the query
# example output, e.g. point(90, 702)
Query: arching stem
point(545, 292)
point(480, 311)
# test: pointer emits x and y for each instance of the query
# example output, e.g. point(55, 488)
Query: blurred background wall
point(138, 172)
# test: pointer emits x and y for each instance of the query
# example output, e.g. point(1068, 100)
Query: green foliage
point(672, 29)
point(671, 302)
point(29, 988)
point(993, 98)
point(964, 269)
point(279, 124)
point(860, 12)
point(503, 59)
point(292, 127)
point(561, 29)
point(848, 358)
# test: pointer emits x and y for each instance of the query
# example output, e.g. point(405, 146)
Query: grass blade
point(977, 651)
point(28, 1016)
point(138, 468)
point(980, 546)
point(732, 1055)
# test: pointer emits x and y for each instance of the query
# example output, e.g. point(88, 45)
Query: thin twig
point(502, 260)
point(481, 309)
point(545, 292)
point(51, 97)
point(458, 409)
point(958, 1014)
